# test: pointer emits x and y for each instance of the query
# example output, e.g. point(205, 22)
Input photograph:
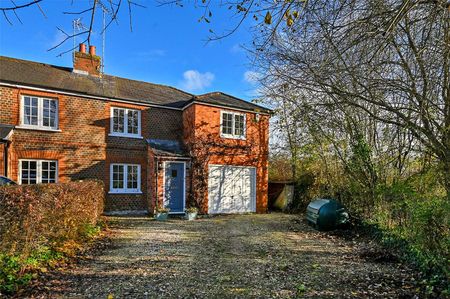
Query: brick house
point(152, 145)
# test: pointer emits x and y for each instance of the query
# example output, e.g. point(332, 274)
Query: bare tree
point(110, 8)
point(387, 59)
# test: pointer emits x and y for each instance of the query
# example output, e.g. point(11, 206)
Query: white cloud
point(252, 77)
point(236, 48)
point(193, 80)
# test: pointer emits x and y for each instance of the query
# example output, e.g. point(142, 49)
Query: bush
point(41, 223)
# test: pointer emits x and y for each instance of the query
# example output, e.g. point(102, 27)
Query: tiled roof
point(223, 99)
point(35, 74)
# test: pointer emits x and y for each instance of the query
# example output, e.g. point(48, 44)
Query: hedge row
point(34, 215)
point(39, 224)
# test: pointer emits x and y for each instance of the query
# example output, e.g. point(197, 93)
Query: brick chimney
point(86, 63)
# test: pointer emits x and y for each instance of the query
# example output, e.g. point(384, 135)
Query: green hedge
point(40, 224)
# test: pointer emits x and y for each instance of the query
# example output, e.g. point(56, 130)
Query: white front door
point(231, 189)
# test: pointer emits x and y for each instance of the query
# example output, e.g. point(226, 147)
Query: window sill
point(22, 127)
point(125, 135)
point(232, 137)
point(124, 192)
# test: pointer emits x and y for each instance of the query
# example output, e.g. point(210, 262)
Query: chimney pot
point(86, 64)
point(82, 48)
point(92, 50)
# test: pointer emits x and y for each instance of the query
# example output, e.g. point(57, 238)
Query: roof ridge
point(114, 87)
point(35, 62)
point(152, 83)
point(231, 96)
point(109, 75)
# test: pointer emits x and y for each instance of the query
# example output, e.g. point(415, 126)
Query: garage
point(231, 189)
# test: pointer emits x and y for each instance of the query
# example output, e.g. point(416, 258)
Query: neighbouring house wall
point(83, 148)
point(202, 137)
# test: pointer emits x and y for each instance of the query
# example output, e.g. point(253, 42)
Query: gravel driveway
point(240, 256)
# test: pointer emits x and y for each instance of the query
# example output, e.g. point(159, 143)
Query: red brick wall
point(83, 148)
point(165, 124)
point(88, 63)
point(202, 136)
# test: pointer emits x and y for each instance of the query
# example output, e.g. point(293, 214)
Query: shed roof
point(163, 147)
point(5, 130)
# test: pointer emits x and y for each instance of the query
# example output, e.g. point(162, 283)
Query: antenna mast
point(77, 25)
point(105, 11)
point(103, 39)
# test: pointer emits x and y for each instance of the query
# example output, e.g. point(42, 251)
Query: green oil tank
point(326, 214)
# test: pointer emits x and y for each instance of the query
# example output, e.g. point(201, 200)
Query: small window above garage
point(232, 125)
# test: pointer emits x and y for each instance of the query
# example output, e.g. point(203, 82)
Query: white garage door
point(231, 189)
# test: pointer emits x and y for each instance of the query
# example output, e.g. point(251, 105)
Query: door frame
point(184, 184)
point(253, 184)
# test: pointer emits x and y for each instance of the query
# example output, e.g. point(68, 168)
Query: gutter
point(127, 101)
point(87, 96)
point(225, 107)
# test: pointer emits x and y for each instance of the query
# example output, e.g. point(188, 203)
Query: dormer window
point(232, 125)
point(125, 122)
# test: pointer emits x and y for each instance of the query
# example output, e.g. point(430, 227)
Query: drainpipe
point(156, 185)
point(5, 156)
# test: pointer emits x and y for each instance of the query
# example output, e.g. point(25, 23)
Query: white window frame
point(40, 125)
point(38, 170)
point(232, 135)
point(125, 119)
point(124, 190)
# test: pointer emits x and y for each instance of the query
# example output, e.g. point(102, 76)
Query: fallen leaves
point(240, 256)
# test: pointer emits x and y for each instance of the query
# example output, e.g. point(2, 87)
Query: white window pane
point(30, 111)
point(132, 177)
point(49, 113)
point(132, 121)
point(239, 125)
point(39, 111)
point(227, 123)
point(53, 115)
point(29, 172)
point(118, 176)
point(119, 120)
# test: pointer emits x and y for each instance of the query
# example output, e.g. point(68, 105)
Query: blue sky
point(167, 45)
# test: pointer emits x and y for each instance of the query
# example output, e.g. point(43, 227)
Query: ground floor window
point(38, 171)
point(125, 178)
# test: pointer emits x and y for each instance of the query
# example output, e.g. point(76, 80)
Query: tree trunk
point(446, 168)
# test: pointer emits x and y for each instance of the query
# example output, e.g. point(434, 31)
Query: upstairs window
point(233, 125)
point(125, 178)
point(38, 171)
point(125, 122)
point(39, 113)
